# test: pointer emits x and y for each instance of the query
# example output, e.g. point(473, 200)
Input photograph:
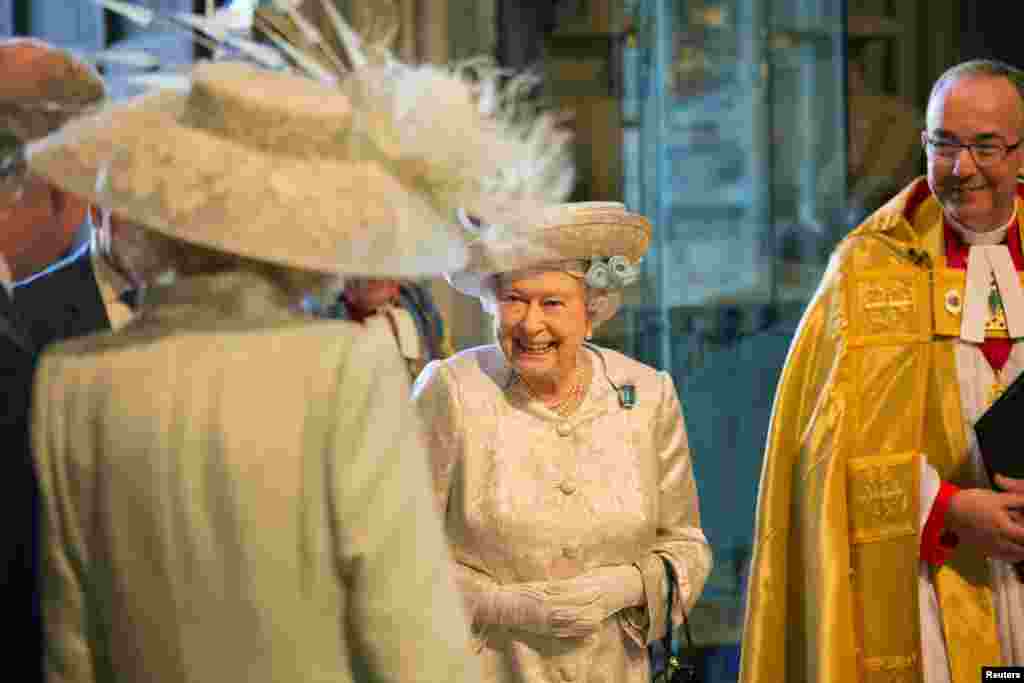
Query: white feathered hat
point(359, 169)
point(256, 163)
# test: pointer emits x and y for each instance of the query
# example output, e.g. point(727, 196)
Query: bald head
point(1009, 78)
point(42, 86)
point(974, 142)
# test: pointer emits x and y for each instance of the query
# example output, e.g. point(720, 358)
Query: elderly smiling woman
point(562, 468)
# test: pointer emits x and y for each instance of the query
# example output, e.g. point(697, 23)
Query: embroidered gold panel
point(890, 306)
point(882, 497)
point(892, 670)
point(882, 492)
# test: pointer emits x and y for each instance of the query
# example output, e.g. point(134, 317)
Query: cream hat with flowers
point(609, 238)
point(256, 163)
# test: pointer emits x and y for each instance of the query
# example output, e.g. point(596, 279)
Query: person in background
point(562, 469)
point(406, 308)
point(91, 290)
point(881, 550)
point(19, 589)
point(41, 87)
point(63, 290)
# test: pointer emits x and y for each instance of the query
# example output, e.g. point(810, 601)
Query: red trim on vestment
point(937, 543)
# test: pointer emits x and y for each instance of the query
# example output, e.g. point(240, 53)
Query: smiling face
point(976, 109)
point(542, 321)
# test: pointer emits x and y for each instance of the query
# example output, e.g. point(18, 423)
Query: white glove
point(572, 608)
point(579, 606)
point(519, 605)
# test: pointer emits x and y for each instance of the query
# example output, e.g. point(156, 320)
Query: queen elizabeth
point(561, 468)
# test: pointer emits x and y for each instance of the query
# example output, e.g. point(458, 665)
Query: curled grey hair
point(596, 297)
point(991, 68)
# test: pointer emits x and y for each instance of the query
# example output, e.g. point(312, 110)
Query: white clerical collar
point(973, 237)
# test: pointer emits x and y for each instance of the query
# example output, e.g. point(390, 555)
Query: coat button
point(567, 487)
point(570, 552)
point(568, 672)
point(564, 429)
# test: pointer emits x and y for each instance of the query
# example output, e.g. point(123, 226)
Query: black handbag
point(673, 669)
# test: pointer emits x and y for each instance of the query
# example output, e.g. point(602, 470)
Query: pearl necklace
point(568, 404)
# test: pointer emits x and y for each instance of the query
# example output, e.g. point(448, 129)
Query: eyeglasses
point(983, 153)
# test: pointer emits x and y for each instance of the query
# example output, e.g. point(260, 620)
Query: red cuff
point(938, 543)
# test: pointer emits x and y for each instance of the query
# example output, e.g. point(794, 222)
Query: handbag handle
point(672, 662)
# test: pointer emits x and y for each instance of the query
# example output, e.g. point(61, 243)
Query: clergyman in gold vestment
point(881, 554)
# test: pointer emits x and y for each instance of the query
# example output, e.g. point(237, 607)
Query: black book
point(998, 431)
point(999, 450)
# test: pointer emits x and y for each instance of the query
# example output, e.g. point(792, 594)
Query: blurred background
point(754, 134)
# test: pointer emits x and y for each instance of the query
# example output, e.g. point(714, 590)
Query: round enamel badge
point(954, 302)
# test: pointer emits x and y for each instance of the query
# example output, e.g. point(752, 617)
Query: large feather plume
point(472, 135)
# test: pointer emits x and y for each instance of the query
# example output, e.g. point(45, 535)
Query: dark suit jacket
point(19, 499)
point(62, 301)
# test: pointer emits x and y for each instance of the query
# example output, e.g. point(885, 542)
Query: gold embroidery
point(880, 500)
point(891, 669)
point(996, 312)
point(888, 305)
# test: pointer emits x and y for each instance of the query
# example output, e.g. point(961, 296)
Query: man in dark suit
point(57, 297)
point(19, 499)
point(78, 295)
point(41, 87)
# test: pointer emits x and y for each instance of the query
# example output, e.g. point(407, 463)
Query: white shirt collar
point(6, 279)
point(972, 237)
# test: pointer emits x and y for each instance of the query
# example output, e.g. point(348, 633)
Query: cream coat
point(529, 496)
point(235, 494)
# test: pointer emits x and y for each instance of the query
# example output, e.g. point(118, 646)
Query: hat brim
point(558, 233)
point(139, 160)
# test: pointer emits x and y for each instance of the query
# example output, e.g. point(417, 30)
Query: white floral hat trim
point(615, 272)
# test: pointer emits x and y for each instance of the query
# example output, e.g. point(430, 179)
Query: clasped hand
point(571, 608)
point(990, 521)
